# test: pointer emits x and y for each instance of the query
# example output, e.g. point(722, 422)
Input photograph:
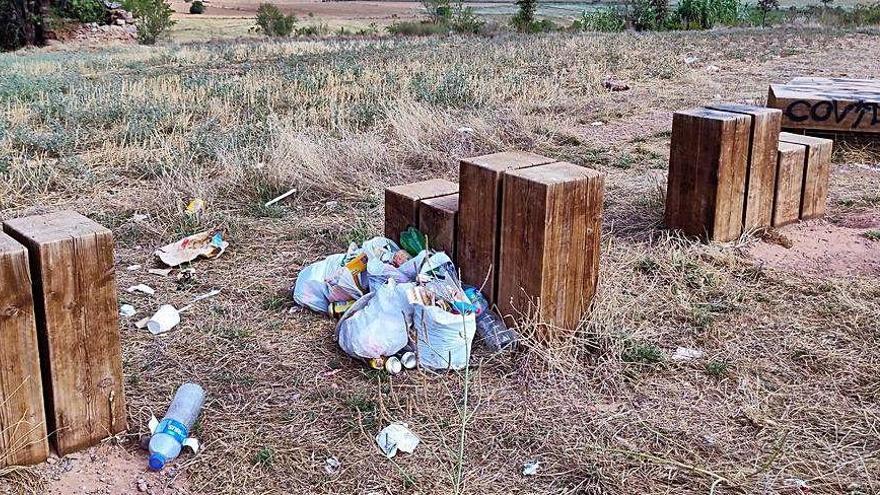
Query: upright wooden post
point(23, 434)
point(705, 194)
point(817, 172)
point(761, 167)
point(402, 203)
point(550, 234)
point(480, 204)
point(77, 322)
point(438, 220)
point(789, 183)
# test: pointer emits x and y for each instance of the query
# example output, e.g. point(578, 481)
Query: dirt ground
point(782, 395)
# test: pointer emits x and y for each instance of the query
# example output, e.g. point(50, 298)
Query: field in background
point(786, 398)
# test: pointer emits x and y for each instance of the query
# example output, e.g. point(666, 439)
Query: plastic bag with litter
point(311, 288)
point(377, 324)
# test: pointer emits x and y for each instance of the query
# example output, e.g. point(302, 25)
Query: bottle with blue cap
point(174, 429)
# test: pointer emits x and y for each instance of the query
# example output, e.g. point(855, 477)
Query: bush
point(524, 19)
point(82, 10)
point(153, 18)
point(197, 7)
point(604, 19)
point(465, 21)
point(273, 22)
point(413, 28)
point(706, 14)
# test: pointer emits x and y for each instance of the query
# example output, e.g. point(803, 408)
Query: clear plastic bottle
point(167, 440)
point(490, 326)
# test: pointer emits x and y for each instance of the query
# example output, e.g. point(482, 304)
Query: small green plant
point(717, 368)
point(765, 7)
point(153, 19)
point(872, 235)
point(641, 352)
point(272, 22)
point(438, 11)
point(263, 457)
point(465, 21)
point(413, 28)
point(525, 16)
point(197, 7)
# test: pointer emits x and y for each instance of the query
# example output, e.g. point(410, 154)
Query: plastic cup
point(166, 318)
point(408, 359)
point(393, 366)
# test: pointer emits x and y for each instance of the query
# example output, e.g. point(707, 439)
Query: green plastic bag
point(413, 241)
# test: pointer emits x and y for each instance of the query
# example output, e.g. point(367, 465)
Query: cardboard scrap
point(205, 244)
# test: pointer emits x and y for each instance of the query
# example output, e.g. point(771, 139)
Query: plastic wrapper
point(377, 324)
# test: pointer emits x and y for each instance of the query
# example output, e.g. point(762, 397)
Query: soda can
point(377, 363)
point(393, 366)
point(408, 359)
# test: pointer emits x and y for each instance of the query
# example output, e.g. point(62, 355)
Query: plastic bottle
point(167, 440)
point(490, 326)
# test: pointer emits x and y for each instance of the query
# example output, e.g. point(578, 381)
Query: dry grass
point(788, 387)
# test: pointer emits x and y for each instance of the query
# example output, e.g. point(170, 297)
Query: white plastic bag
point(377, 324)
point(311, 289)
point(444, 339)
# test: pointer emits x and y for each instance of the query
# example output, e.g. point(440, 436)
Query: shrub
point(153, 18)
point(524, 19)
point(82, 10)
point(413, 28)
point(604, 19)
point(197, 7)
point(766, 6)
point(273, 22)
point(465, 21)
point(706, 14)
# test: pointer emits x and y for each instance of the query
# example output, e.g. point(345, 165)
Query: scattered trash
point(397, 436)
point(127, 310)
point(597, 123)
point(146, 289)
point(134, 268)
point(393, 365)
point(205, 244)
point(466, 130)
point(205, 296)
point(690, 60)
point(195, 206)
point(162, 272)
point(166, 318)
point(172, 433)
point(685, 354)
point(408, 360)
point(376, 325)
point(142, 323)
point(331, 204)
point(332, 465)
point(712, 68)
point(612, 84)
point(490, 326)
point(412, 241)
point(139, 217)
point(530, 468)
point(279, 198)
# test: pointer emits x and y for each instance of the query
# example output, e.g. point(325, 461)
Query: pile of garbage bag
point(392, 301)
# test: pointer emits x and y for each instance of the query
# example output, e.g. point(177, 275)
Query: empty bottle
point(167, 440)
point(490, 326)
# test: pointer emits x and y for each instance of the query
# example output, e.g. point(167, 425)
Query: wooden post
point(479, 218)
point(438, 219)
point(23, 434)
point(761, 166)
point(77, 320)
point(402, 203)
point(789, 183)
point(828, 104)
point(705, 194)
point(817, 172)
point(550, 233)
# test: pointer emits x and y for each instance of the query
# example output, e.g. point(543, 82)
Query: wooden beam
point(550, 235)
point(761, 166)
point(23, 433)
point(705, 193)
point(829, 104)
point(77, 319)
point(438, 220)
point(789, 183)
point(402, 203)
point(480, 205)
point(817, 172)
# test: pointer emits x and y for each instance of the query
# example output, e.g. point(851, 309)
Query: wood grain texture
point(817, 172)
point(23, 432)
point(789, 183)
point(829, 104)
point(705, 193)
point(402, 203)
point(77, 324)
point(438, 219)
point(479, 218)
point(550, 236)
point(761, 167)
